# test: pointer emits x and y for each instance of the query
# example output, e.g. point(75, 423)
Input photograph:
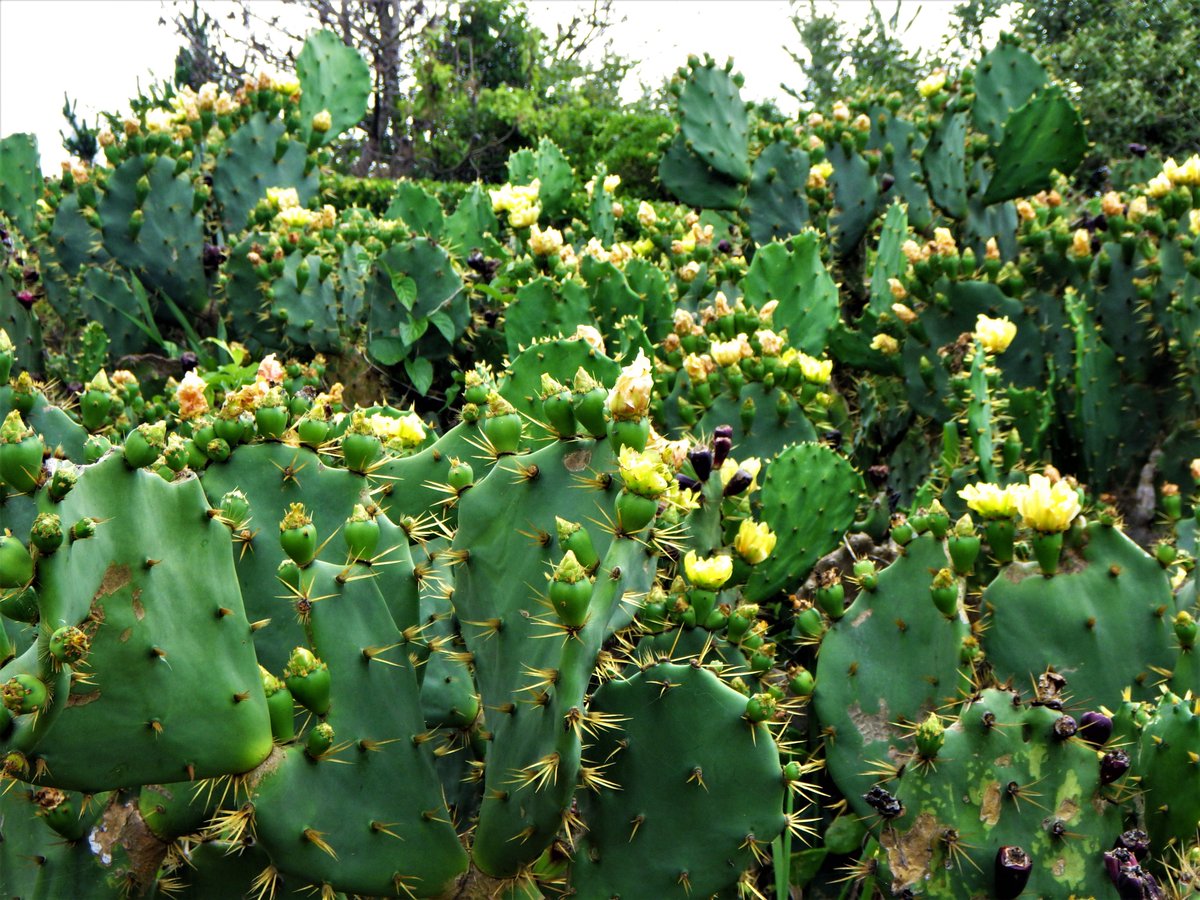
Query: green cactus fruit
point(319, 740)
point(312, 431)
point(944, 591)
point(59, 811)
point(217, 450)
point(23, 694)
point(362, 534)
point(298, 536)
point(271, 422)
point(557, 407)
point(46, 534)
point(62, 479)
point(308, 679)
point(571, 591)
point(461, 476)
point(760, 708)
point(16, 565)
point(574, 537)
point(1185, 629)
point(145, 444)
point(831, 594)
point(801, 682)
point(502, 425)
point(589, 400)
point(1047, 548)
point(280, 707)
point(629, 433)
point(929, 737)
point(360, 447)
point(83, 529)
point(634, 512)
point(69, 644)
point(95, 447)
point(20, 605)
point(21, 451)
point(176, 453)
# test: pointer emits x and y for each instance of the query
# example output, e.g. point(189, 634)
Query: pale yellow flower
point(283, 198)
point(270, 370)
point(754, 541)
point(885, 344)
point(1138, 208)
point(991, 250)
point(630, 396)
point(611, 183)
point(1045, 507)
point(190, 396)
point(688, 272)
point(644, 474)
point(990, 500)
point(1111, 204)
point(1081, 242)
point(943, 242)
point(815, 371)
point(1159, 186)
point(1025, 210)
point(771, 343)
point(897, 288)
point(591, 336)
point(904, 313)
point(1194, 220)
point(545, 243)
point(932, 83)
point(726, 353)
point(841, 112)
point(707, 574)
point(646, 215)
point(322, 121)
point(297, 217)
point(698, 367)
point(994, 334)
point(524, 217)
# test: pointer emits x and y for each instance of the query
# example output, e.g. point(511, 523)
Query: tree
point(1134, 65)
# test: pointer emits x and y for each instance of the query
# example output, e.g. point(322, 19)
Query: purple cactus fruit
point(1065, 728)
point(1138, 150)
point(26, 298)
point(886, 182)
point(1135, 841)
point(1113, 765)
point(1012, 869)
point(721, 448)
point(723, 246)
point(188, 361)
point(1095, 728)
point(738, 482)
point(687, 483)
point(1131, 880)
point(701, 459)
point(884, 802)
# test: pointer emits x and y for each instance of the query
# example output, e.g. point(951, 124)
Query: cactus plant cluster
point(732, 559)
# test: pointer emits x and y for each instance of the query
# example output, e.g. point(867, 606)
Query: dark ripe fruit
point(1012, 869)
point(1138, 150)
point(884, 803)
point(886, 182)
point(1065, 727)
point(701, 459)
point(187, 361)
point(723, 246)
point(738, 482)
point(1135, 841)
point(1095, 728)
point(1113, 765)
point(721, 447)
point(26, 298)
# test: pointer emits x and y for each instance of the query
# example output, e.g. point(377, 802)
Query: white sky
point(98, 50)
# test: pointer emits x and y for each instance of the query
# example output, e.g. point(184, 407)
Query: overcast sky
point(99, 50)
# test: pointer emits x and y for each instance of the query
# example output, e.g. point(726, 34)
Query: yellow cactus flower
point(771, 343)
point(932, 83)
point(885, 344)
point(990, 500)
point(815, 371)
point(754, 541)
point(1081, 242)
point(322, 121)
point(698, 367)
point(611, 183)
point(904, 313)
point(1046, 507)
point(726, 353)
point(190, 396)
point(630, 396)
point(591, 336)
point(646, 215)
point(644, 474)
point(544, 243)
point(1159, 186)
point(1194, 220)
point(688, 273)
point(297, 217)
point(994, 334)
point(283, 198)
point(708, 574)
